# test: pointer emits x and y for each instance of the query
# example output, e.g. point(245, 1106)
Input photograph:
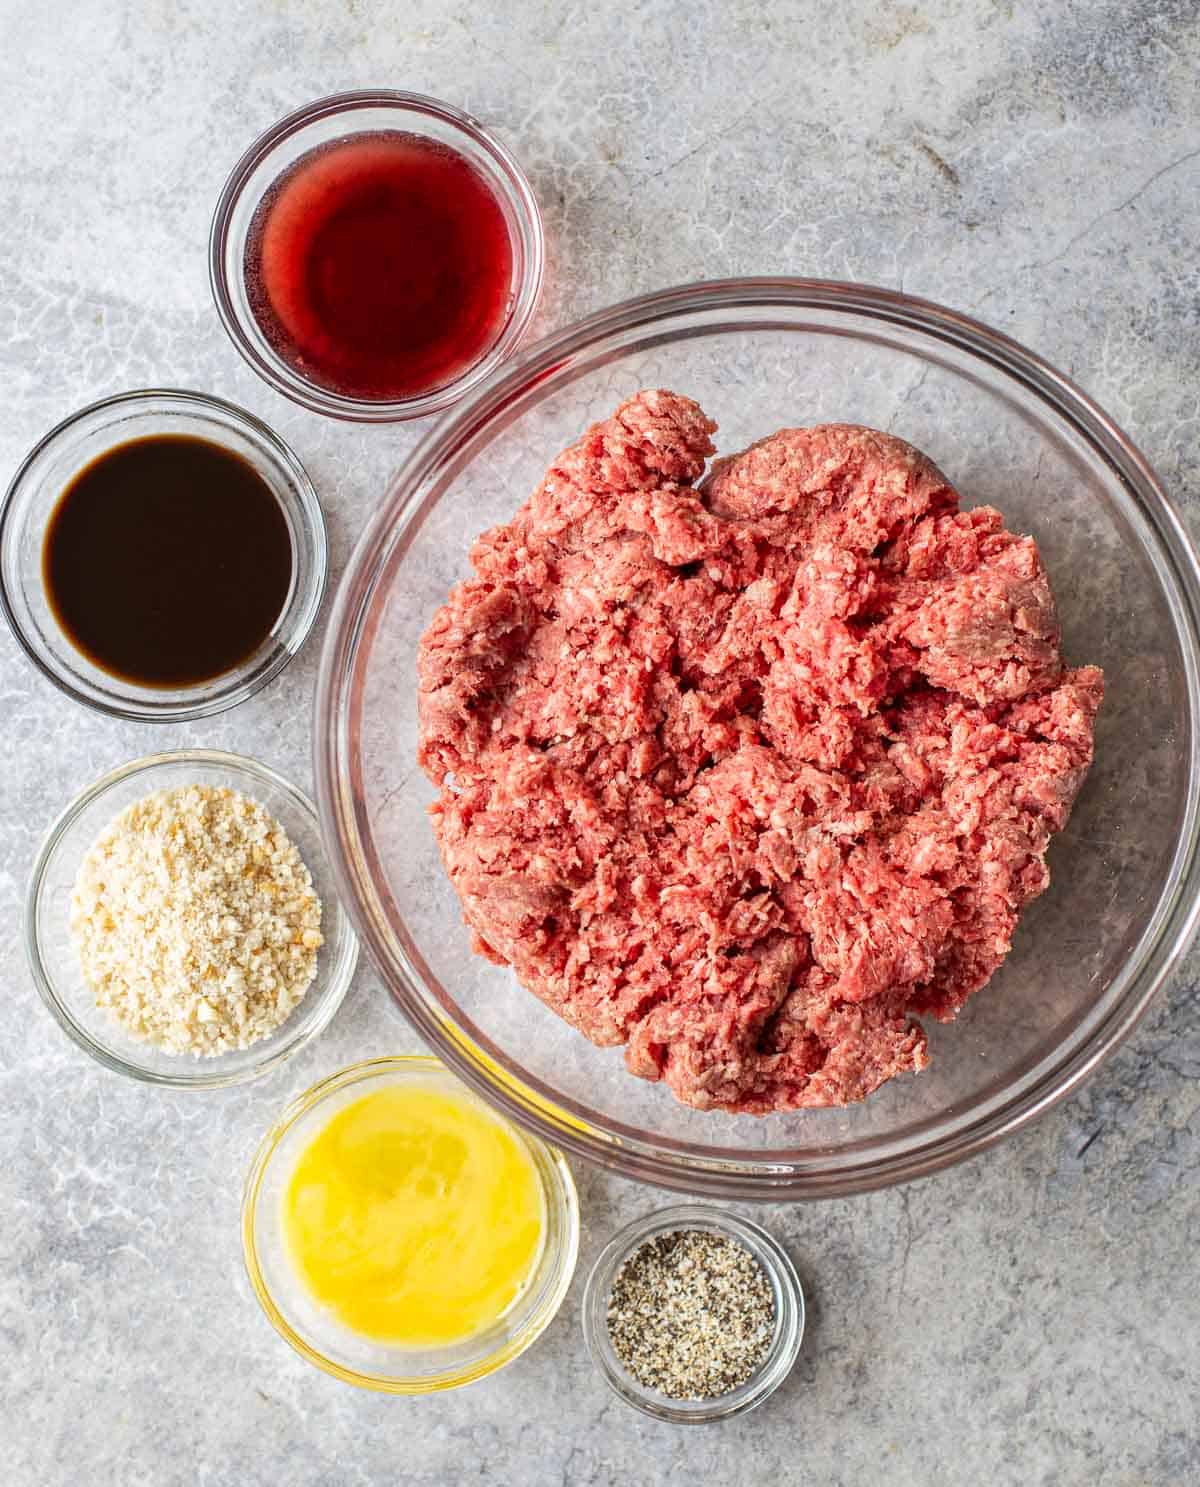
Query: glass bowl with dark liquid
point(375, 255)
point(162, 555)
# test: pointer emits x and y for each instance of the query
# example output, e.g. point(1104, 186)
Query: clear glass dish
point(340, 117)
point(318, 1336)
point(54, 959)
point(789, 1314)
point(1007, 429)
point(35, 492)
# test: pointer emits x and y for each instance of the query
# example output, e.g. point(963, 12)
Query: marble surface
point(1031, 1318)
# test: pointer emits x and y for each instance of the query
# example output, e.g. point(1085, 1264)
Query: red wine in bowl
point(380, 266)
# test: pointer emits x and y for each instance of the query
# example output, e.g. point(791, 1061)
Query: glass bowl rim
point(521, 200)
point(564, 1195)
point(339, 975)
point(235, 686)
point(731, 1172)
point(789, 1321)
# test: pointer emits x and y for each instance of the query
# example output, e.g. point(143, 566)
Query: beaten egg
point(415, 1216)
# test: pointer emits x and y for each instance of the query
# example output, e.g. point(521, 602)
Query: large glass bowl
point(1008, 430)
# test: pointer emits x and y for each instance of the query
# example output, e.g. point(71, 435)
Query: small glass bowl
point(54, 959)
point(340, 117)
point(789, 1314)
point(318, 1336)
point(35, 492)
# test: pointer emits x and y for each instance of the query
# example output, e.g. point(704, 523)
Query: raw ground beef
point(749, 773)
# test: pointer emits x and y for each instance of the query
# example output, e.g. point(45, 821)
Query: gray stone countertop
point(1030, 1318)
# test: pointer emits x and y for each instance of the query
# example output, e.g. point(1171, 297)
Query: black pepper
point(691, 1314)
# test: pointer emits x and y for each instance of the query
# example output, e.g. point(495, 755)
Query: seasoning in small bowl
point(693, 1314)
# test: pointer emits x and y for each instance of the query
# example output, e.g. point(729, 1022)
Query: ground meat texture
point(749, 771)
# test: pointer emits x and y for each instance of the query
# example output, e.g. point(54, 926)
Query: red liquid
point(380, 266)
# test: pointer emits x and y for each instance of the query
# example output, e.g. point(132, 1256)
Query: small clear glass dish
point(318, 1336)
point(35, 492)
point(54, 959)
point(789, 1314)
point(341, 117)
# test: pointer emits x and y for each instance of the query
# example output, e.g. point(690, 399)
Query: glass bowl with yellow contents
point(402, 1236)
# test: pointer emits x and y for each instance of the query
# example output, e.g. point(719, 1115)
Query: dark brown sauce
point(167, 560)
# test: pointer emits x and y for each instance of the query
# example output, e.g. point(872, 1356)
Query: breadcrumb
point(196, 921)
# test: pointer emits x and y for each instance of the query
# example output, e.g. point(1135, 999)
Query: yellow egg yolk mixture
point(415, 1216)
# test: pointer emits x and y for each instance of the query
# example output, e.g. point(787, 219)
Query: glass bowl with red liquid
point(376, 254)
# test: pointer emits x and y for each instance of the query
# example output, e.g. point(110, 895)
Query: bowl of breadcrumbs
point(182, 923)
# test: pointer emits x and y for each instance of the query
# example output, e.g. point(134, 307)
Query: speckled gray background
point(1032, 1318)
